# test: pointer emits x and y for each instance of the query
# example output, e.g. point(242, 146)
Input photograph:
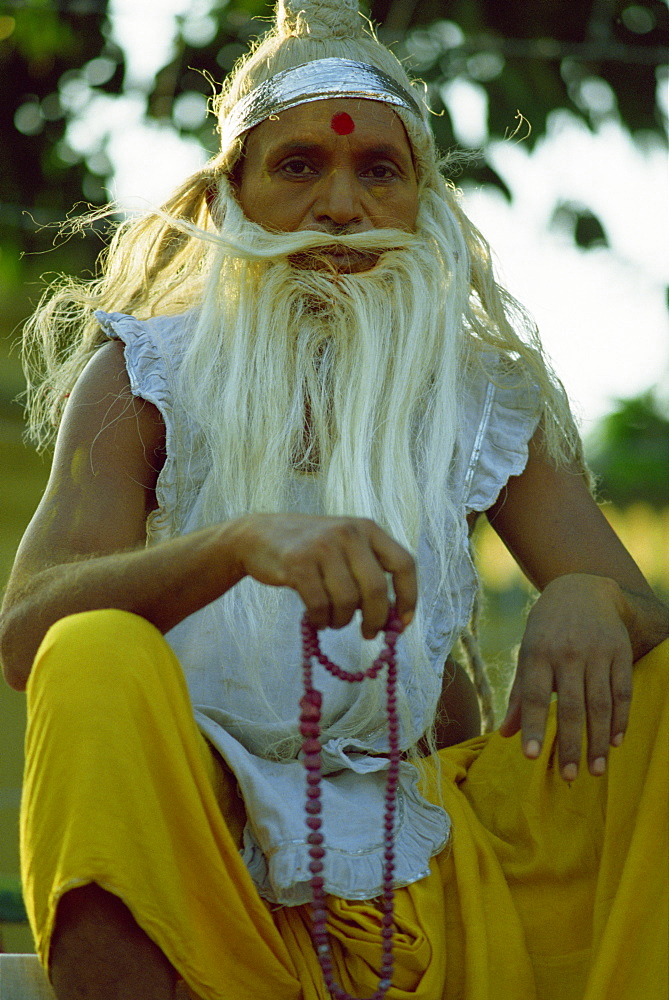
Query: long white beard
point(355, 376)
point(350, 379)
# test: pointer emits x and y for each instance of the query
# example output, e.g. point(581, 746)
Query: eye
point(297, 168)
point(381, 172)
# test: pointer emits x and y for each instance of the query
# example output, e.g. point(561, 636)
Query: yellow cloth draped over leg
point(545, 890)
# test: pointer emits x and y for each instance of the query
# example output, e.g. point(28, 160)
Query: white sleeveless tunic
point(498, 421)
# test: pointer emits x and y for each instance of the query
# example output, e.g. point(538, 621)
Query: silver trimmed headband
point(316, 81)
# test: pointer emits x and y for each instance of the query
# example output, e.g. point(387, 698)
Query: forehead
point(355, 121)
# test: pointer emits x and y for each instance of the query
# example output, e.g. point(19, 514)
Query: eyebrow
point(300, 147)
point(286, 148)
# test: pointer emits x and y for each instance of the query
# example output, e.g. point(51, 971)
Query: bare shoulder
point(101, 489)
point(107, 432)
point(103, 392)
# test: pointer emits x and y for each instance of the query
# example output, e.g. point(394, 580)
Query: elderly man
point(313, 389)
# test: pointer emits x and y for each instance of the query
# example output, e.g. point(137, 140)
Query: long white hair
point(349, 380)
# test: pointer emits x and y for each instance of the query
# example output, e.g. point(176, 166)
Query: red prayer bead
point(309, 712)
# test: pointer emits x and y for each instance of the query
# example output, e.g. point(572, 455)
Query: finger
point(621, 694)
point(397, 561)
point(371, 583)
point(375, 607)
point(598, 703)
point(571, 719)
point(512, 720)
point(536, 690)
point(308, 583)
point(342, 589)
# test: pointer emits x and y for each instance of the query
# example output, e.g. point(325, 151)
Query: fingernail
point(570, 772)
point(617, 739)
point(533, 748)
point(599, 765)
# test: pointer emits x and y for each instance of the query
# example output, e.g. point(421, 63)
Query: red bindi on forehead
point(342, 124)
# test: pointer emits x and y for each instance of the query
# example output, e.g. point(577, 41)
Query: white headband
point(318, 80)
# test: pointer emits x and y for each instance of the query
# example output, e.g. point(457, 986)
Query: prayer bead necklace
point(310, 717)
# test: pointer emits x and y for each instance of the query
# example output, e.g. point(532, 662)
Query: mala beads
point(310, 716)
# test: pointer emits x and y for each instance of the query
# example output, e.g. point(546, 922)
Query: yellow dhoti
point(545, 892)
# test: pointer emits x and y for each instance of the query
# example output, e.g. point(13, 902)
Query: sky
point(602, 313)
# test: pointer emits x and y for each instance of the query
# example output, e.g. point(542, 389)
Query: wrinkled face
point(337, 166)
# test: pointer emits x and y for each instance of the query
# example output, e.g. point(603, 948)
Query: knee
point(93, 653)
point(96, 630)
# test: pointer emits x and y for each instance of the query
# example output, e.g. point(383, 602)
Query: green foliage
point(39, 35)
point(597, 58)
point(584, 228)
point(629, 452)
point(54, 58)
point(45, 59)
point(11, 899)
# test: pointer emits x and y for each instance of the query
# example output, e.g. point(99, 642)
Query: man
point(313, 388)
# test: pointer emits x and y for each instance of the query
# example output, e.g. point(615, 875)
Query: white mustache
point(258, 244)
point(244, 240)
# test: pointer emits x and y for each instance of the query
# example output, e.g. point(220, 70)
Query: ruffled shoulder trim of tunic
point(501, 413)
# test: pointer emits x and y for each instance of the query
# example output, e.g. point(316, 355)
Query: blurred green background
point(599, 60)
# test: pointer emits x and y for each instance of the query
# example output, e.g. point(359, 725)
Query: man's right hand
point(336, 565)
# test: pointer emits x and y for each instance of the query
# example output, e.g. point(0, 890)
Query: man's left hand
point(575, 644)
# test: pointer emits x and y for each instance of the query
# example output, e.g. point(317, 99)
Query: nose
point(337, 202)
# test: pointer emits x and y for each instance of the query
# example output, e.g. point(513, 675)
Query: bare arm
point(595, 616)
point(84, 548)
